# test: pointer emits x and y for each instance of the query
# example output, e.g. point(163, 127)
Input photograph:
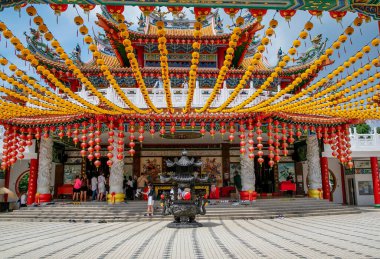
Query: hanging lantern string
point(51, 77)
point(281, 64)
point(234, 38)
point(50, 98)
point(353, 111)
point(356, 111)
point(306, 102)
point(321, 83)
point(40, 105)
point(79, 75)
point(105, 69)
point(27, 111)
point(338, 71)
point(317, 63)
point(335, 99)
point(134, 64)
point(256, 59)
point(34, 61)
point(344, 102)
point(194, 65)
point(164, 64)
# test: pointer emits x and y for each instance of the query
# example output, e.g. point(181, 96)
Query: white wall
point(17, 169)
point(334, 166)
point(363, 199)
point(305, 172)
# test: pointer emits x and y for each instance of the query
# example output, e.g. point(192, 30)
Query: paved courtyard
point(343, 236)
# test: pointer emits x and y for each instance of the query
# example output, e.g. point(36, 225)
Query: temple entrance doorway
point(264, 176)
point(91, 169)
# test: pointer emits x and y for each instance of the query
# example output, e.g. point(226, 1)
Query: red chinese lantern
point(175, 9)
point(316, 13)
point(97, 163)
point(87, 7)
point(201, 12)
point(152, 131)
point(58, 8)
point(364, 17)
point(147, 9)
point(17, 8)
point(287, 14)
point(231, 137)
point(115, 9)
point(338, 15)
point(231, 11)
point(258, 13)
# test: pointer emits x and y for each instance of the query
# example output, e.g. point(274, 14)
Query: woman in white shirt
point(101, 186)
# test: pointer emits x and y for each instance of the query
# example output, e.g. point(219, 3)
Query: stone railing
point(179, 96)
point(365, 142)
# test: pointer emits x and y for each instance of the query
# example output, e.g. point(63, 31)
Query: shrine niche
point(152, 167)
point(212, 167)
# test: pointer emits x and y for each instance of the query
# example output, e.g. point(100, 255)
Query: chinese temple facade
point(180, 81)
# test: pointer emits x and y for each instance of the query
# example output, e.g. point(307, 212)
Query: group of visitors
point(130, 187)
point(80, 188)
point(82, 185)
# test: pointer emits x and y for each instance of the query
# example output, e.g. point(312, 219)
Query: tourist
point(76, 190)
point(125, 186)
point(23, 199)
point(107, 186)
point(94, 187)
point(159, 84)
point(237, 182)
point(129, 188)
point(134, 186)
point(101, 186)
point(141, 182)
point(290, 178)
point(150, 194)
point(83, 189)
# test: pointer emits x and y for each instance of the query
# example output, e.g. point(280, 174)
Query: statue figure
point(314, 178)
point(316, 50)
point(141, 23)
point(247, 173)
point(35, 43)
point(76, 55)
point(218, 24)
point(279, 54)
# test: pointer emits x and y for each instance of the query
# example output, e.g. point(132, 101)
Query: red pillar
point(32, 184)
point(343, 184)
point(6, 182)
point(325, 178)
point(221, 56)
point(140, 56)
point(375, 181)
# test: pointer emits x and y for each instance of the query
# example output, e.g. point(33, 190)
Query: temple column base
point(113, 198)
point(42, 198)
point(248, 195)
point(315, 193)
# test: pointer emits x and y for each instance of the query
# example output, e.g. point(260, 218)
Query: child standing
point(150, 194)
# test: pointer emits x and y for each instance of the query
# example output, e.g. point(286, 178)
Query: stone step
point(241, 211)
point(128, 211)
point(134, 211)
point(169, 218)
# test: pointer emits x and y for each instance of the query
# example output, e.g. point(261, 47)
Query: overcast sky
point(66, 32)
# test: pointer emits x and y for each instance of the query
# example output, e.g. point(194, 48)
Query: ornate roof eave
point(138, 35)
point(47, 120)
point(312, 119)
point(110, 34)
point(56, 120)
